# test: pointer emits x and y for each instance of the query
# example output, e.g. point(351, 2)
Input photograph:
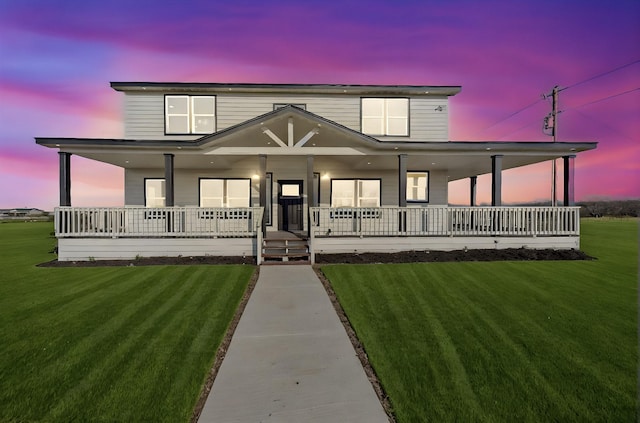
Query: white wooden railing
point(445, 221)
point(183, 222)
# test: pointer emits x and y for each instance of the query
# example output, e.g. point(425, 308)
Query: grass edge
point(360, 351)
point(222, 349)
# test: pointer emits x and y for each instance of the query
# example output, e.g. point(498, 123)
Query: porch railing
point(445, 221)
point(183, 222)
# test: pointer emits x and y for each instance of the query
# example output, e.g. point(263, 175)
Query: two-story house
point(221, 169)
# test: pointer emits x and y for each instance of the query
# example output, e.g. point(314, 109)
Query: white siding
point(187, 185)
point(235, 109)
point(186, 182)
point(84, 249)
point(144, 113)
point(337, 245)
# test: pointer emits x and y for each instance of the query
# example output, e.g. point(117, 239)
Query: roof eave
point(185, 87)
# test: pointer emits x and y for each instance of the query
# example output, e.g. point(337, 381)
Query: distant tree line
point(612, 208)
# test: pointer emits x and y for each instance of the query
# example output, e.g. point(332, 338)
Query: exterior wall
point(186, 182)
point(85, 249)
point(337, 245)
point(282, 168)
point(144, 113)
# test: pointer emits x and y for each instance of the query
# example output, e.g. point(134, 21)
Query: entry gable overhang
point(289, 128)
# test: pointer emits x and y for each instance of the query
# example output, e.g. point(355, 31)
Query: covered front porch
point(131, 232)
point(295, 171)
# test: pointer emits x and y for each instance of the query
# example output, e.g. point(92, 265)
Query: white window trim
point(146, 194)
point(424, 173)
point(357, 195)
point(225, 191)
point(385, 118)
point(190, 115)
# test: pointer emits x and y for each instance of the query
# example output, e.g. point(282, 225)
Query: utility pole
point(553, 125)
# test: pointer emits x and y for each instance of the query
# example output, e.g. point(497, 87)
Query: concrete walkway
point(290, 359)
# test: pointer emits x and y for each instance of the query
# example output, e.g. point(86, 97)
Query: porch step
point(285, 251)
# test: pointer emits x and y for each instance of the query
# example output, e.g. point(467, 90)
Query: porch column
point(65, 179)
point(402, 180)
point(473, 182)
point(262, 158)
point(311, 197)
point(569, 163)
point(496, 180)
point(168, 180)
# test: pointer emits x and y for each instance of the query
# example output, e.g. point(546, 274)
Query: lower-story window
point(154, 193)
point(355, 193)
point(418, 186)
point(225, 192)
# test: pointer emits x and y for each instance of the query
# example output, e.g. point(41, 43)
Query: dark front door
point(290, 205)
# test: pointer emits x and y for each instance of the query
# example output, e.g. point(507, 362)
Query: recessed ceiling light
point(432, 163)
point(126, 161)
point(368, 163)
point(488, 148)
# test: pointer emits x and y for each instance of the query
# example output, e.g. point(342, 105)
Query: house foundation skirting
point(85, 249)
point(342, 245)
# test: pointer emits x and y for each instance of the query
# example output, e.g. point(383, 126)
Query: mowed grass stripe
point(76, 337)
point(538, 341)
point(145, 328)
point(107, 344)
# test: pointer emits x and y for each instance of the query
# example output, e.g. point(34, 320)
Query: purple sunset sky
point(57, 59)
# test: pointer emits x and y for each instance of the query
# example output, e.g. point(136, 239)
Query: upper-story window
point(385, 116)
point(190, 114)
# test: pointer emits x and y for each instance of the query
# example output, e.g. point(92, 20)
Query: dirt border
point(357, 346)
point(154, 261)
point(221, 352)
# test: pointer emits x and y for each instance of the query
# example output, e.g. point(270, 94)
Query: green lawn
point(504, 341)
point(106, 344)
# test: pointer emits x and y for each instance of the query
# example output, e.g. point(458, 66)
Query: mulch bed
point(154, 261)
point(509, 254)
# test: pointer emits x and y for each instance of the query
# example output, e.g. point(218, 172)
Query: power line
point(518, 130)
point(603, 99)
point(562, 89)
point(592, 119)
point(600, 75)
point(512, 115)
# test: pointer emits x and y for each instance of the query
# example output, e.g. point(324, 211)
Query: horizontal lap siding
point(84, 249)
point(187, 185)
point(186, 182)
point(144, 113)
point(339, 245)
point(235, 109)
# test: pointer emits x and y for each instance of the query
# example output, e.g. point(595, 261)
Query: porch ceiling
point(291, 131)
point(457, 165)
